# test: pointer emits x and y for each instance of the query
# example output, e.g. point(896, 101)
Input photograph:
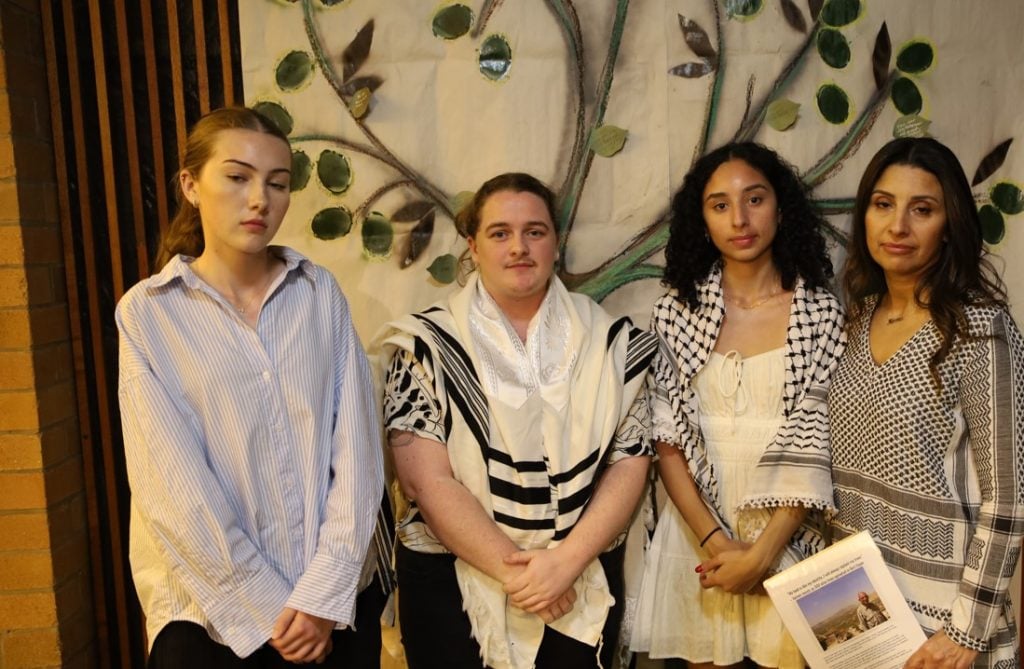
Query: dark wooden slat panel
point(106, 148)
point(74, 306)
point(130, 133)
point(155, 128)
point(199, 32)
point(99, 380)
point(178, 84)
point(227, 73)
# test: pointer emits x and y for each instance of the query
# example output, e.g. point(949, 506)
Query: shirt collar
point(179, 267)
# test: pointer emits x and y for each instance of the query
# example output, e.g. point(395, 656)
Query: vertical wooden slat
point(77, 347)
point(227, 72)
point(99, 380)
point(203, 77)
point(106, 149)
point(131, 145)
point(155, 127)
point(177, 83)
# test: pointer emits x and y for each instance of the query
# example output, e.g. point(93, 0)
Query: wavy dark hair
point(798, 249)
point(185, 232)
point(467, 220)
point(961, 274)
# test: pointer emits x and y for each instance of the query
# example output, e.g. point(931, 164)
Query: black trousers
point(186, 645)
point(436, 631)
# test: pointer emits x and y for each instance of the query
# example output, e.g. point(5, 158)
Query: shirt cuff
point(327, 589)
point(245, 619)
point(961, 638)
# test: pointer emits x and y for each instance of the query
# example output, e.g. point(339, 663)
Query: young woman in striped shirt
point(250, 428)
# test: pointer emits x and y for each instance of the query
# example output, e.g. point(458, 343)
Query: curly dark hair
point(961, 274)
point(798, 249)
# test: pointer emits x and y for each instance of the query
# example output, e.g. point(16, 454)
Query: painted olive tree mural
point(900, 74)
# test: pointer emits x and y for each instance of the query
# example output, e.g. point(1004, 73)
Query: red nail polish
point(699, 569)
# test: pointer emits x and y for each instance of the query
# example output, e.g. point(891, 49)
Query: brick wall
point(45, 595)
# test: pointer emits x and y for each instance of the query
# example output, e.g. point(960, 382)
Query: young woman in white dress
point(749, 337)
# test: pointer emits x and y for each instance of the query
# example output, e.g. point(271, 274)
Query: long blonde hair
point(185, 233)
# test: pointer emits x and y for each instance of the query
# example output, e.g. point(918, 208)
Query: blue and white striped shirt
point(254, 456)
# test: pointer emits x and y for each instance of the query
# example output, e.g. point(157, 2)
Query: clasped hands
point(734, 566)
point(542, 581)
point(301, 637)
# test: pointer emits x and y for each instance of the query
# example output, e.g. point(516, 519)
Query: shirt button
point(266, 376)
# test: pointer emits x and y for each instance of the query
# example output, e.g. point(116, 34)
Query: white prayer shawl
point(589, 375)
point(795, 468)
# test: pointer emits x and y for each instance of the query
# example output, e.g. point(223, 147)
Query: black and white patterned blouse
point(936, 476)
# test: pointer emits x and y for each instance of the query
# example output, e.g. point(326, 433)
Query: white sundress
point(741, 410)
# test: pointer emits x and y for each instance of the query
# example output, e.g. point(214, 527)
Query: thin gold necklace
point(756, 303)
point(252, 298)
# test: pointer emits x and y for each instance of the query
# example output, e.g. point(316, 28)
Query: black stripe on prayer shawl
point(583, 465)
point(639, 353)
point(522, 523)
point(519, 494)
point(465, 388)
point(577, 499)
point(520, 466)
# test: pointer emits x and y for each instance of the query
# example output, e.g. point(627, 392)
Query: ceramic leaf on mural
point(906, 97)
point(880, 56)
point(782, 114)
point(794, 17)
point(991, 162)
point(915, 57)
point(911, 125)
point(418, 239)
point(743, 9)
point(357, 51)
point(993, 226)
point(444, 268)
point(608, 140)
point(833, 103)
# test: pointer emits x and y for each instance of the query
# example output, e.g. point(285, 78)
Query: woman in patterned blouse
point(927, 407)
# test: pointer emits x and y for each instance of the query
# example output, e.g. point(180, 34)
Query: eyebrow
point(879, 191)
point(541, 222)
point(253, 167)
point(757, 186)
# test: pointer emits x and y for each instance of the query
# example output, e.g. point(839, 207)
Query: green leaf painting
point(495, 57)
point(302, 168)
point(452, 22)
point(334, 171)
point(993, 226)
point(906, 97)
point(378, 236)
point(294, 71)
point(1007, 197)
point(915, 57)
point(277, 114)
point(838, 13)
point(833, 48)
point(833, 103)
point(331, 223)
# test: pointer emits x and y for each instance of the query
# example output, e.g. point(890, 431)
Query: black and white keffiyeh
point(795, 468)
